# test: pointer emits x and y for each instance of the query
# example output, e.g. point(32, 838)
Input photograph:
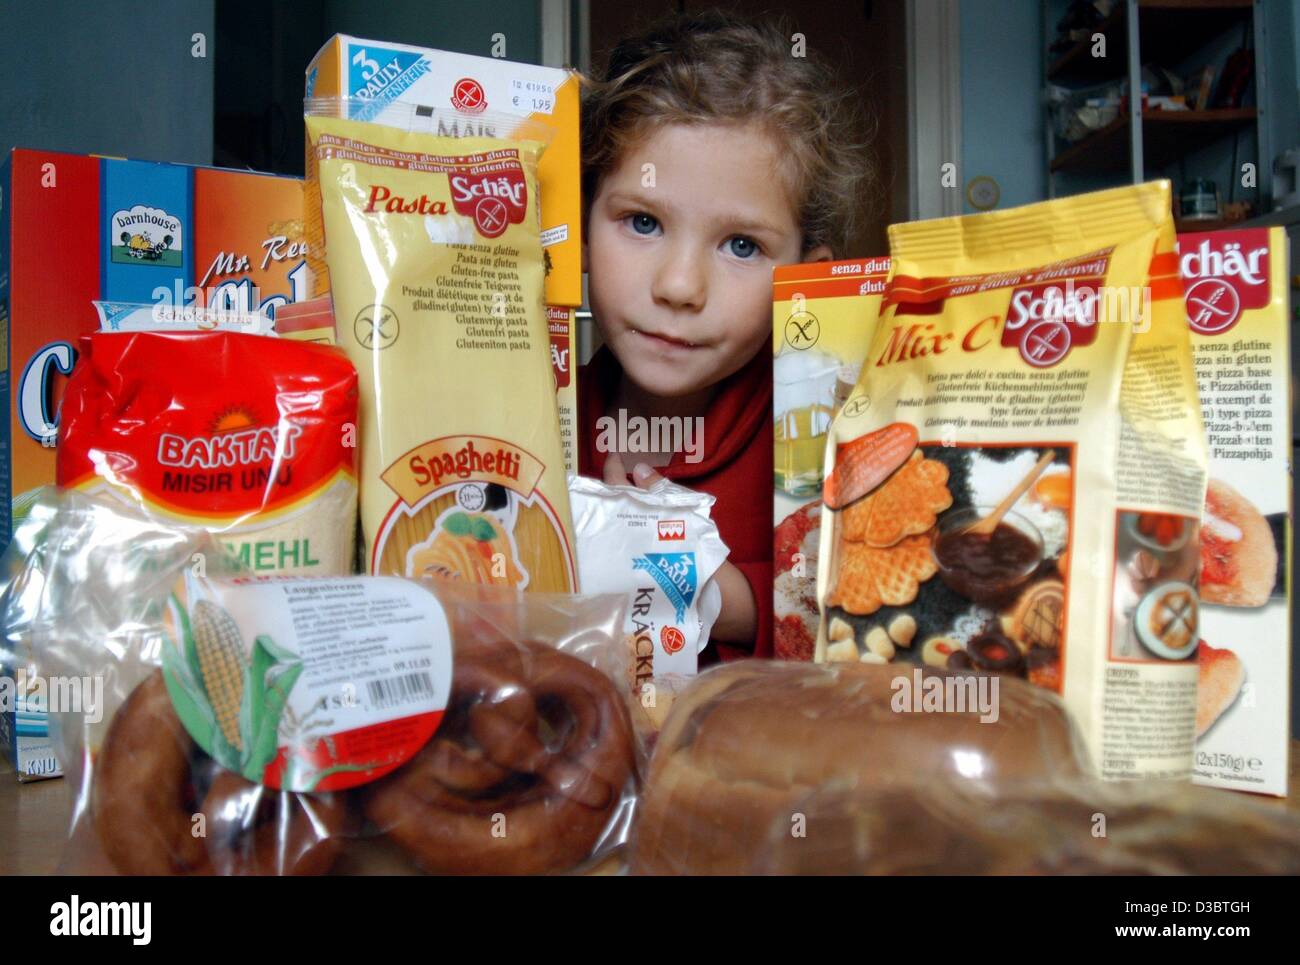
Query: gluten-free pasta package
point(436, 269)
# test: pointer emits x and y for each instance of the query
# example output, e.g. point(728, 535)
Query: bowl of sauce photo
point(989, 568)
point(1160, 533)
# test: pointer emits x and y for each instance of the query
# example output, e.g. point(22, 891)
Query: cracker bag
point(436, 270)
point(660, 549)
point(1015, 485)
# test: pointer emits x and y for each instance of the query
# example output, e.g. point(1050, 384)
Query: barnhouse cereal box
point(75, 229)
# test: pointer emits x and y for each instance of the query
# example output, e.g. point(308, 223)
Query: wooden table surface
point(34, 818)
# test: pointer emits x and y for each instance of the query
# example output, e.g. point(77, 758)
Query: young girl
point(711, 153)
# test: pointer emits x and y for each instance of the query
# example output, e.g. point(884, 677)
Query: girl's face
point(681, 240)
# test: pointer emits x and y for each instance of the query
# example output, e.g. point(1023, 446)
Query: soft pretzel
point(151, 782)
point(248, 835)
point(524, 773)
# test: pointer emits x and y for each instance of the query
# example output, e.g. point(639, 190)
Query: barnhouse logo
point(144, 235)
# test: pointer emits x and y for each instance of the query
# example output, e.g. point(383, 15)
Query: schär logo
point(672, 529)
point(1226, 273)
point(1045, 320)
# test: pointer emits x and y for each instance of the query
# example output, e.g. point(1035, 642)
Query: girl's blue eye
point(644, 224)
point(743, 247)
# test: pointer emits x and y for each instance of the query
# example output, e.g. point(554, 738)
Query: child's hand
point(615, 472)
point(738, 620)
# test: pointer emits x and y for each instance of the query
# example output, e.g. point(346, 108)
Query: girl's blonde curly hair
point(715, 67)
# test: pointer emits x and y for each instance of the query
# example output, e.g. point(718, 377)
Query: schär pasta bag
point(1016, 482)
point(249, 436)
point(437, 269)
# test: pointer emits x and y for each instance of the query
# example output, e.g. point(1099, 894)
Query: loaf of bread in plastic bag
point(783, 768)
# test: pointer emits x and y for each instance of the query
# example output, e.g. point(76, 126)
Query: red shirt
point(736, 469)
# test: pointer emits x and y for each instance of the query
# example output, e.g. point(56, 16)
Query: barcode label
point(400, 690)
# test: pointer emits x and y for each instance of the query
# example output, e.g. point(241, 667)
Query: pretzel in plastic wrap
point(187, 755)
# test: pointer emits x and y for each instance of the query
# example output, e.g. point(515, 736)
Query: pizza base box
point(75, 229)
point(823, 314)
point(1236, 292)
point(375, 75)
point(562, 327)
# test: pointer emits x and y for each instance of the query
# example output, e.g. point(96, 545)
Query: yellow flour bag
point(436, 271)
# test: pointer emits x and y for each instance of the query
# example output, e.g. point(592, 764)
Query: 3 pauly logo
point(676, 575)
point(377, 76)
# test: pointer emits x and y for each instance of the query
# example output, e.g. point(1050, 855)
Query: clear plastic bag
point(534, 768)
point(197, 755)
point(1052, 827)
point(836, 769)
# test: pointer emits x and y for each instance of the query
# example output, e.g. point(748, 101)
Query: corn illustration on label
point(436, 270)
point(1015, 484)
point(308, 685)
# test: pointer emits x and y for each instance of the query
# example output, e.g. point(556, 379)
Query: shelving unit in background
point(1161, 32)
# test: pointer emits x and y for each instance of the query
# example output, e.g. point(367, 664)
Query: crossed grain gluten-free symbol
point(855, 407)
point(1216, 305)
point(469, 93)
point(1043, 343)
point(376, 324)
point(802, 335)
point(491, 216)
